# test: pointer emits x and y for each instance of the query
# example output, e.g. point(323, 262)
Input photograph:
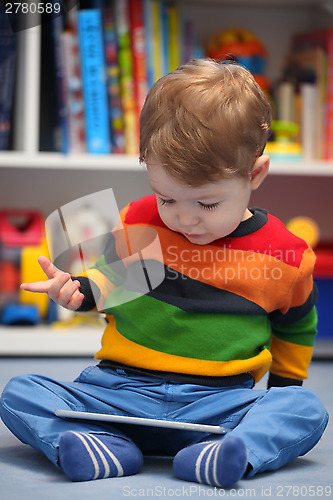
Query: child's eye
point(210, 206)
point(163, 201)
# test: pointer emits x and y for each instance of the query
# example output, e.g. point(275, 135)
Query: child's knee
point(17, 390)
point(314, 407)
point(305, 403)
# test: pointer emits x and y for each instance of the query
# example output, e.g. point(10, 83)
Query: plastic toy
point(9, 277)
point(18, 314)
point(323, 276)
point(21, 242)
point(306, 228)
point(21, 227)
point(31, 271)
point(283, 147)
point(242, 46)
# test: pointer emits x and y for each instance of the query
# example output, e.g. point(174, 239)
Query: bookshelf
point(30, 178)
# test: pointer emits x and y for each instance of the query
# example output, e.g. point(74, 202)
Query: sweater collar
point(248, 226)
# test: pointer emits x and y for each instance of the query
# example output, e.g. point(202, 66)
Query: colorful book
point(113, 81)
point(154, 54)
point(138, 46)
point(156, 34)
point(73, 83)
point(74, 96)
point(94, 81)
point(57, 26)
point(53, 104)
point(149, 42)
point(175, 37)
point(8, 43)
point(126, 76)
point(164, 37)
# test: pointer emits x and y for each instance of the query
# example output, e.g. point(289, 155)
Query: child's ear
point(259, 171)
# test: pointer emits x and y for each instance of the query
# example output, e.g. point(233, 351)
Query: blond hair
point(205, 121)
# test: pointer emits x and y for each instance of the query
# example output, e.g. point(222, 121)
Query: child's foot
point(95, 456)
point(217, 463)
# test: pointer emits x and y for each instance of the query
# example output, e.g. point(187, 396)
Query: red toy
point(21, 228)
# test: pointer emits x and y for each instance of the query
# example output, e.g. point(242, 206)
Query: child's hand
point(60, 287)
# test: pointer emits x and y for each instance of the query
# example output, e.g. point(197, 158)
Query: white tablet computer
point(214, 429)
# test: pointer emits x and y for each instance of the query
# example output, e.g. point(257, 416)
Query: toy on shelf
point(21, 227)
point(305, 228)
point(308, 229)
point(18, 314)
point(22, 240)
point(31, 271)
point(283, 146)
point(323, 276)
point(243, 46)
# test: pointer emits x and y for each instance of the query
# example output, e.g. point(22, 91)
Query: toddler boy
point(236, 300)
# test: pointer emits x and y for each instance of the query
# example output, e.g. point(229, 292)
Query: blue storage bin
point(325, 307)
point(323, 277)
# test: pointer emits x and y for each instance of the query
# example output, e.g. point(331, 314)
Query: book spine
point(75, 91)
point(138, 43)
point(62, 141)
point(7, 79)
point(75, 112)
point(126, 76)
point(149, 42)
point(324, 39)
point(165, 37)
point(157, 39)
point(113, 82)
point(94, 84)
point(174, 37)
point(328, 152)
point(308, 138)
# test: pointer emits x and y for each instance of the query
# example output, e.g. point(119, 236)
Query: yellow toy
point(306, 228)
point(31, 271)
point(284, 147)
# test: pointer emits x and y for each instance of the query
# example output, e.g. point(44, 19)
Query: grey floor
point(24, 473)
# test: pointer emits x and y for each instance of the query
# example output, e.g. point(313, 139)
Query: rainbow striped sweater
point(242, 304)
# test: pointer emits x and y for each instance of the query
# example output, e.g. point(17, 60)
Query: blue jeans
point(277, 425)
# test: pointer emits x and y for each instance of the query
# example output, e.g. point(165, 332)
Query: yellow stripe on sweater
point(290, 360)
point(118, 348)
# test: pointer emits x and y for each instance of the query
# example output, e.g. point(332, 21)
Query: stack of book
point(107, 54)
point(305, 95)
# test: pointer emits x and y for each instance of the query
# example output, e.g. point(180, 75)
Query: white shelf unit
point(45, 181)
point(43, 340)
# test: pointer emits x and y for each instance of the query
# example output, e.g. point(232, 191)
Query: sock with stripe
point(86, 456)
point(217, 463)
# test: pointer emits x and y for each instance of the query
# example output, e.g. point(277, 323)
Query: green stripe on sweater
point(302, 332)
point(166, 328)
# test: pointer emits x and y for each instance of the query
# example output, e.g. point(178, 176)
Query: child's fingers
point(38, 286)
point(48, 268)
point(75, 301)
point(58, 286)
point(65, 293)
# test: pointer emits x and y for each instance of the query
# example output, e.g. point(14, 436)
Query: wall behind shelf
point(49, 189)
point(285, 196)
point(273, 24)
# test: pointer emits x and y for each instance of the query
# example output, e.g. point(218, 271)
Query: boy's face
point(202, 214)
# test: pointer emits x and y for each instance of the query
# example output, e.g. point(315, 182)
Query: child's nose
point(187, 217)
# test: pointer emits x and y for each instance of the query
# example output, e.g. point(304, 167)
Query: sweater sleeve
point(91, 294)
point(294, 329)
point(101, 279)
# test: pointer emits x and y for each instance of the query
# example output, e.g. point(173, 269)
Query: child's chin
point(202, 239)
